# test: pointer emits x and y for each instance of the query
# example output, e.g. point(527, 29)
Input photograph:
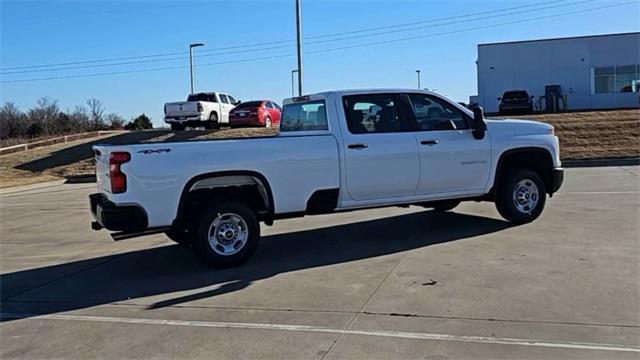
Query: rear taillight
point(165, 109)
point(200, 108)
point(118, 178)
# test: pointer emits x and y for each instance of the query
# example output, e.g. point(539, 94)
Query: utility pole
point(299, 45)
point(418, 71)
point(293, 87)
point(191, 46)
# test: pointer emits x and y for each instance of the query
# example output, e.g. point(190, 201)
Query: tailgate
point(182, 108)
point(102, 168)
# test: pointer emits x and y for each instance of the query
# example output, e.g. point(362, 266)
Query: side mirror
point(532, 96)
point(238, 102)
point(499, 98)
point(479, 126)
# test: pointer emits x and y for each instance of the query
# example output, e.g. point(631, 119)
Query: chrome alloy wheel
point(526, 196)
point(228, 234)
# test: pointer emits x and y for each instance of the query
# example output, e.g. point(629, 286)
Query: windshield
point(249, 104)
point(515, 95)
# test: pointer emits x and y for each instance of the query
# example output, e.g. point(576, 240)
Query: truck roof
point(325, 94)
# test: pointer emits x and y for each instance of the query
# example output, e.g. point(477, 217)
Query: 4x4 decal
point(154, 151)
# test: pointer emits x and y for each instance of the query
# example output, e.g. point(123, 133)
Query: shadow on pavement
point(168, 269)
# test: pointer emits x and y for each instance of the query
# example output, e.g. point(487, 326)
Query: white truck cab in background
point(209, 110)
point(336, 151)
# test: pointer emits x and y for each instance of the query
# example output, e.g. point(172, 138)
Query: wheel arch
point(538, 159)
point(226, 180)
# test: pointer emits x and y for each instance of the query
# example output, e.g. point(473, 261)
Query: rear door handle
point(429, 142)
point(357, 146)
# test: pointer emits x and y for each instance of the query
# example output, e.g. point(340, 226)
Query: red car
point(255, 113)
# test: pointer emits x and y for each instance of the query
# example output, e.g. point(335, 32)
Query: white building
point(594, 72)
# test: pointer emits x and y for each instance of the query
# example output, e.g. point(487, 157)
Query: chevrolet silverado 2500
point(336, 151)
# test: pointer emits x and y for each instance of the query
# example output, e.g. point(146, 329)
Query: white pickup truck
point(203, 109)
point(336, 151)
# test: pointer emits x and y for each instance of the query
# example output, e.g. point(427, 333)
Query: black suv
point(515, 102)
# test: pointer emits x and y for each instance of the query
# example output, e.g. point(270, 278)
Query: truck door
point(381, 155)
point(451, 160)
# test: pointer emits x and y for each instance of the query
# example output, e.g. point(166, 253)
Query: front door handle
point(357, 146)
point(430, 142)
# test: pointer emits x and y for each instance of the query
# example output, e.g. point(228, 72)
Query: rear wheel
point(521, 196)
point(213, 122)
point(227, 234)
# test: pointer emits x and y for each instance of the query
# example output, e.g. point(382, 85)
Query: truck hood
point(519, 127)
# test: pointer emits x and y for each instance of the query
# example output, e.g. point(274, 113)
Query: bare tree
point(13, 122)
point(96, 111)
point(115, 121)
point(42, 118)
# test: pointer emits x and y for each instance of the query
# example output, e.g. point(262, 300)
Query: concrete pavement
point(385, 283)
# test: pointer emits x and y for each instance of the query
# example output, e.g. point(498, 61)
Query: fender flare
point(509, 152)
point(260, 180)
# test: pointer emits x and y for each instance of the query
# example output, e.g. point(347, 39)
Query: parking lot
point(385, 283)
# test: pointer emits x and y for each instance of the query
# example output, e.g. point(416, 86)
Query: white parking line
point(305, 328)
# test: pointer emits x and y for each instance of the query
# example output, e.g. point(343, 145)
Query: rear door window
point(374, 113)
point(308, 116)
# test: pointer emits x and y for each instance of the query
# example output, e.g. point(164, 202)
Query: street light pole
point(191, 46)
point(293, 93)
point(418, 71)
point(299, 44)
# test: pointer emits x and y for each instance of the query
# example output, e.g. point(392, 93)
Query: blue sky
point(51, 32)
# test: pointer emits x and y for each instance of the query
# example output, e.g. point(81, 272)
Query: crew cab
point(336, 151)
point(208, 110)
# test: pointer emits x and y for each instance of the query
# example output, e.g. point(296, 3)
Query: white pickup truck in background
point(208, 110)
point(336, 151)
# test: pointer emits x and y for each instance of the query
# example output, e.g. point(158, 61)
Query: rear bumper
point(558, 179)
point(183, 119)
point(129, 218)
point(246, 121)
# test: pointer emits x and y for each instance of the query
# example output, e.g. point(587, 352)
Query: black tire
point(177, 127)
point(211, 255)
point(515, 208)
point(446, 205)
point(213, 122)
point(181, 237)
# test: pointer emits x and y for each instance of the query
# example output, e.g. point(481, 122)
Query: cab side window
point(373, 113)
point(432, 113)
point(224, 99)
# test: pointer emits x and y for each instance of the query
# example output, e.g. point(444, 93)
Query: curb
point(601, 162)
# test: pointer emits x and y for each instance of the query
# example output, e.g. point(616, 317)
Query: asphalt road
point(387, 283)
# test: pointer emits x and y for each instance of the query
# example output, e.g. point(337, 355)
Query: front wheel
point(227, 234)
point(521, 196)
